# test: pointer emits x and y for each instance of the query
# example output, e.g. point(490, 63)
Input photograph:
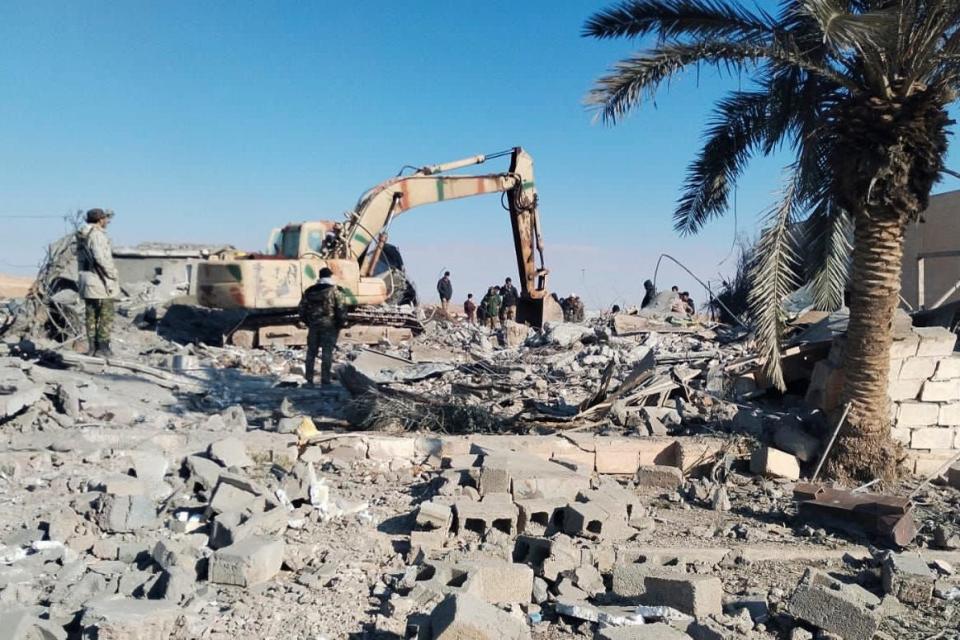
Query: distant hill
point(14, 286)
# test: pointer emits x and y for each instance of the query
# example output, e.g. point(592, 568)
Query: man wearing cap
point(99, 281)
point(322, 310)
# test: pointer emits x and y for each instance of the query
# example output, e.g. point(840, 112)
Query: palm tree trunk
point(864, 450)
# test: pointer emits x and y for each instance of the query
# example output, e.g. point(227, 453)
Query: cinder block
point(932, 438)
point(900, 390)
point(125, 513)
point(901, 435)
point(918, 368)
point(628, 579)
point(695, 595)
point(774, 463)
point(917, 414)
point(229, 497)
point(940, 391)
point(846, 610)
point(500, 582)
point(617, 455)
point(926, 463)
point(495, 479)
point(541, 515)
point(385, 449)
point(659, 476)
point(948, 368)
point(463, 617)
point(594, 521)
point(548, 557)
point(935, 341)
point(949, 415)
point(655, 631)
point(433, 515)
point(252, 560)
point(905, 348)
point(907, 577)
point(483, 517)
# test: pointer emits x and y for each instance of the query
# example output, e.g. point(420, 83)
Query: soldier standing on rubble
point(510, 296)
point(491, 307)
point(322, 310)
point(445, 289)
point(470, 309)
point(99, 281)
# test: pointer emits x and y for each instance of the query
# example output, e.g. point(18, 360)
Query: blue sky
point(215, 121)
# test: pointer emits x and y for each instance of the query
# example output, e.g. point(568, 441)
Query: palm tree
point(857, 90)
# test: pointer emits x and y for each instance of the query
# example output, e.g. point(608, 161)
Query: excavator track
point(365, 324)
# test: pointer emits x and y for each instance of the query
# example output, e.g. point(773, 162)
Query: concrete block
point(774, 463)
point(427, 541)
point(940, 391)
point(907, 577)
point(483, 517)
point(463, 617)
point(917, 414)
point(433, 515)
point(935, 341)
point(926, 463)
point(932, 438)
point(203, 472)
point(905, 348)
point(693, 594)
point(901, 435)
point(495, 479)
point(168, 553)
point(500, 582)
point(231, 452)
point(948, 368)
point(590, 520)
point(918, 368)
point(548, 557)
point(655, 631)
point(125, 513)
point(617, 455)
point(659, 476)
point(900, 390)
point(541, 515)
point(252, 560)
point(149, 466)
point(792, 439)
point(846, 610)
point(826, 386)
point(387, 449)
point(953, 476)
point(949, 415)
point(117, 618)
point(460, 461)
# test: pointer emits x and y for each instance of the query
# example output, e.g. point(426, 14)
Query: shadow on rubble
point(187, 324)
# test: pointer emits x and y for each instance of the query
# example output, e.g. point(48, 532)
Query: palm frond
point(773, 276)
point(843, 29)
point(700, 19)
point(737, 127)
point(829, 245)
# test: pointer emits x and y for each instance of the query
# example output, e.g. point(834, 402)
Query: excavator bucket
point(536, 312)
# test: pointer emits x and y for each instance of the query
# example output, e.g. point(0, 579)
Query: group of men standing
point(497, 305)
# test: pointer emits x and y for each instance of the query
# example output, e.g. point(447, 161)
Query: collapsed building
point(631, 476)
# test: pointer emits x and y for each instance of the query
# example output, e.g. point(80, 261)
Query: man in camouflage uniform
point(322, 310)
point(99, 281)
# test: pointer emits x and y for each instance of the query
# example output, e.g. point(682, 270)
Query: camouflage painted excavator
point(368, 268)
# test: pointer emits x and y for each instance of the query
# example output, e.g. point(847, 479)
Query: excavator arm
point(377, 208)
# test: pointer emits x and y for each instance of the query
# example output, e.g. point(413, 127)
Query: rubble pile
point(616, 479)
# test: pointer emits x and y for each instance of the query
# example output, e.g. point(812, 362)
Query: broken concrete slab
point(655, 631)
point(433, 515)
point(250, 561)
point(499, 582)
point(907, 577)
point(844, 609)
point(231, 452)
point(119, 617)
point(773, 463)
point(659, 476)
point(693, 594)
point(119, 514)
point(13, 401)
point(463, 617)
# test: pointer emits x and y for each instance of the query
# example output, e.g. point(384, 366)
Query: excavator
point(366, 267)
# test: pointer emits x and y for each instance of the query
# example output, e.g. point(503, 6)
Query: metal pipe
point(432, 169)
point(826, 451)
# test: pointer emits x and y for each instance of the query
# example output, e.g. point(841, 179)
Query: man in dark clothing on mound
point(322, 310)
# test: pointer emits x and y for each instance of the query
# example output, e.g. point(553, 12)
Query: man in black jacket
point(445, 289)
point(509, 295)
point(324, 313)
